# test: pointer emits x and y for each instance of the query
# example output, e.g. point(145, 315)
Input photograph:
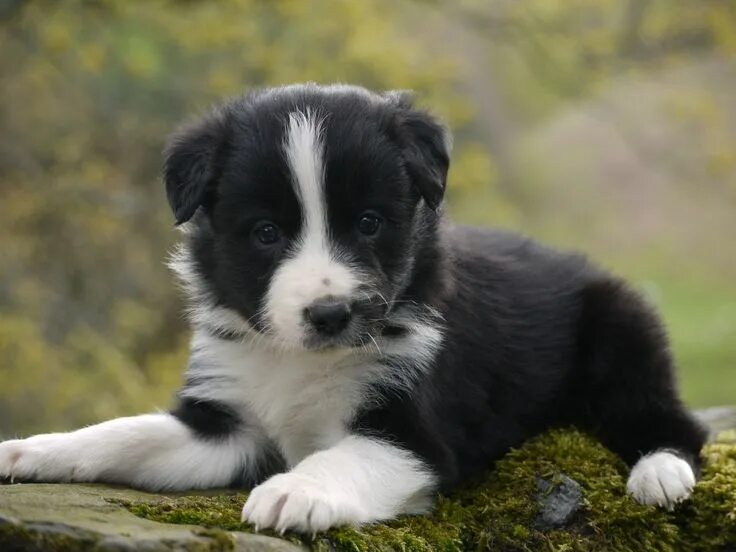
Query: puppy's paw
point(662, 479)
point(39, 458)
point(297, 502)
point(10, 453)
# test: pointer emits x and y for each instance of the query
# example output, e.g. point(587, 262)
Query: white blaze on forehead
point(305, 154)
point(312, 271)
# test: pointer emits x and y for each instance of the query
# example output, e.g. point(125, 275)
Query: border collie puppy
point(353, 353)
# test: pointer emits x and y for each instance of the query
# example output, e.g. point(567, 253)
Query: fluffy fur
point(353, 353)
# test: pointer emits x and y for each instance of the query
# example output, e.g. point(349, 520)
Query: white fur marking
point(661, 478)
point(359, 480)
point(304, 153)
point(299, 281)
point(302, 400)
point(153, 451)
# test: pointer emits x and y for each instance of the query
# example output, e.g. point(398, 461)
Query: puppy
point(352, 352)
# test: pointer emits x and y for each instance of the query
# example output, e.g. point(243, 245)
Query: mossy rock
point(79, 518)
point(497, 512)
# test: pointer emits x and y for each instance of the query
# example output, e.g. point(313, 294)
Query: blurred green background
point(607, 126)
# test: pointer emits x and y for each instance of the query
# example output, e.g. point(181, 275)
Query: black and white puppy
point(353, 353)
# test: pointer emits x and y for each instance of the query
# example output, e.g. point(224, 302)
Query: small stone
point(559, 501)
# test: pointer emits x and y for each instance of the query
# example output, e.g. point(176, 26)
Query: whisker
point(376, 344)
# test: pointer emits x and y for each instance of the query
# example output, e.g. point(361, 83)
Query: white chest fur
point(302, 400)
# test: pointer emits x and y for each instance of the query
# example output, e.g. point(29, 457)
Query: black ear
point(425, 143)
point(191, 164)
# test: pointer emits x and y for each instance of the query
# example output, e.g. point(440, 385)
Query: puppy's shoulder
point(516, 255)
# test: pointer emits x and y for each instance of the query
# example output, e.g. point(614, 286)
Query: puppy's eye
point(369, 223)
point(267, 233)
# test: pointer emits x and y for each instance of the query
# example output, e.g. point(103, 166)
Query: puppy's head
point(308, 206)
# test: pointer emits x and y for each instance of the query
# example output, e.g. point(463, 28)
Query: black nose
point(328, 317)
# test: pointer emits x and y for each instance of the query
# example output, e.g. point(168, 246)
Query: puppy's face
point(312, 204)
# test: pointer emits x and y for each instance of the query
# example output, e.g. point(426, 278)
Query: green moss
point(213, 512)
point(221, 511)
point(708, 520)
point(219, 539)
point(497, 512)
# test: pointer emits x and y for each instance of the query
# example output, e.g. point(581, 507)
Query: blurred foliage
point(552, 50)
point(91, 325)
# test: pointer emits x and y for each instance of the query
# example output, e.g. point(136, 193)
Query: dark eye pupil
point(267, 234)
point(368, 224)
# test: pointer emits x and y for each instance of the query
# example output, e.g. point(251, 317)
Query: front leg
point(153, 452)
point(359, 480)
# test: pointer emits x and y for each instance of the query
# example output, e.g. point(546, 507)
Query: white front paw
point(293, 501)
point(661, 478)
point(39, 458)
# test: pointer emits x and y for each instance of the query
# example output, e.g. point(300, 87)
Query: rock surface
point(90, 517)
point(718, 419)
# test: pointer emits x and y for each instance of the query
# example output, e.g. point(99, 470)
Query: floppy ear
point(425, 143)
point(191, 165)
